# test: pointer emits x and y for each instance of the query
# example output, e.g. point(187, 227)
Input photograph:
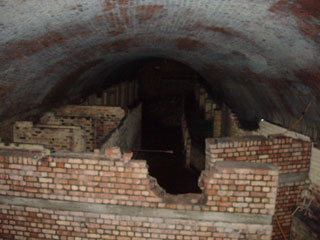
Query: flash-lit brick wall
point(241, 187)
point(100, 196)
point(19, 222)
point(58, 138)
point(292, 156)
point(103, 121)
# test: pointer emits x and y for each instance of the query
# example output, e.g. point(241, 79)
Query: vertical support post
point(217, 123)
point(105, 98)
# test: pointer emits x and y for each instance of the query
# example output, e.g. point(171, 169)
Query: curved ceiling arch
point(262, 54)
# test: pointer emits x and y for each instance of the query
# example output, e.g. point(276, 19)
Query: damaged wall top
point(262, 54)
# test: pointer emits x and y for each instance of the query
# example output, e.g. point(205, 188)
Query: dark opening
point(163, 87)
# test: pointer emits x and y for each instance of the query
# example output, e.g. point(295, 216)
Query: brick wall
point(101, 183)
point(19, 222)
point(86, 124)
point(287, 200)
point(292, 156)
point(104, 120)
point(241, 187)
point(128, 133)
point(57, 138)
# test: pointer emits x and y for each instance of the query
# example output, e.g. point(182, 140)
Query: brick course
point(57, 138)
point(105, 119)
point(292, 156)
point(95, 179)
point(20, 222)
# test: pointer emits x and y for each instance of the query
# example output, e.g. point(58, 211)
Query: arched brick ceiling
point(262, 54)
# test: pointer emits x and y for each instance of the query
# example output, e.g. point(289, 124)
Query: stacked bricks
point(93, 179)
point(287, 199)
point(217, 123)
point(56, 138)
point(96, 121)
point(86, 124)
point(241, 187)
point(292, 156)
point(114, 180)
point(19, 222)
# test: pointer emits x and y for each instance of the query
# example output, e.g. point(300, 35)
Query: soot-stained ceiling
point(263, 55)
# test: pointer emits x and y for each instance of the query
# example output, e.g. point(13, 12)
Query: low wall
point(94, 196)
point(56, 138)
point(292, 156)
point(127, 135)
point(96, 121)
point(86, 124)
point(105, 119)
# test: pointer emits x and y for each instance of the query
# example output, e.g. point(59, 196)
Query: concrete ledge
point(292, 177)
point(245, 165)
point(138, 211)
point(236, 139)
point(56, 126)
point(24, 147)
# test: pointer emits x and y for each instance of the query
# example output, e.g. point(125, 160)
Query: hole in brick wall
point(163, 87)
point(175, 102)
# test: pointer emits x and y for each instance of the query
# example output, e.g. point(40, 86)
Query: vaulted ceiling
point(263, 55)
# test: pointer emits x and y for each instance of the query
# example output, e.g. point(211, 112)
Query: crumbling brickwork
point(292, 156)
point(95, 180)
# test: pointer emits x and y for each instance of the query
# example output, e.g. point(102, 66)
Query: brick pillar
point(208, 110)
point(105, 98)
point(113, 97)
